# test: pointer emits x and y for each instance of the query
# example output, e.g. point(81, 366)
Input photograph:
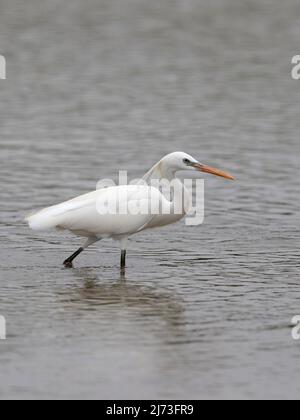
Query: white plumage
point(82, 215)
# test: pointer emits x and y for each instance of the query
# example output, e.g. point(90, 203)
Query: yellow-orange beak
point(213, 171)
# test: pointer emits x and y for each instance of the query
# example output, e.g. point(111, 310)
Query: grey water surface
point(96, 86)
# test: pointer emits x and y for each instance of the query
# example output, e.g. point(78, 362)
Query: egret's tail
point(48, 218)
point(42, 220)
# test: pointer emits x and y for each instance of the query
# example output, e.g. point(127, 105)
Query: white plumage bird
point(84, 215)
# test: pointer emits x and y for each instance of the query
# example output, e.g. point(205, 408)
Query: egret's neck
point(180, 193)
point(160, 171)
point(168, 174)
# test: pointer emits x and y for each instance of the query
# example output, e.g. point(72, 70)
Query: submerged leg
point(123, 259)
point(69, 261)
point(123, 247)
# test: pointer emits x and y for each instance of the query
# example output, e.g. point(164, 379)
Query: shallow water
point(98, 86)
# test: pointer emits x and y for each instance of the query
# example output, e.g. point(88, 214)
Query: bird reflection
point(132, 299)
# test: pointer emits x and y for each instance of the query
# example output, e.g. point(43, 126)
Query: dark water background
point(96, 86)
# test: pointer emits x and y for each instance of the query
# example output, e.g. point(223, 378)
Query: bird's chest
point(164, 220)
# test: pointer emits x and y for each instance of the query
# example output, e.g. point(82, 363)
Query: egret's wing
point(86, 214)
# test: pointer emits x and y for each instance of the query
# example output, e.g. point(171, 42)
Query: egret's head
point(180, 161)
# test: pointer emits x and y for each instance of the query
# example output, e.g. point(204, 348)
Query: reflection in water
point(130, 299)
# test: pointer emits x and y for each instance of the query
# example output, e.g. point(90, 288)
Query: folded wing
point(103, 213)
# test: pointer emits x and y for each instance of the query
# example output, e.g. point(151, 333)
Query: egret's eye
point(187, 161)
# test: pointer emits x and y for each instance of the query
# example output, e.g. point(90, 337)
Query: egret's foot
point(122, 274)
point(68, 264)
point(69, 261)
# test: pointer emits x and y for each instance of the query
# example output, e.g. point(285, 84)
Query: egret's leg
point(69, 261)
point(123, 259)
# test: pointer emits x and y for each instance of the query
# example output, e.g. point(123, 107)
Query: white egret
point(82, 215)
